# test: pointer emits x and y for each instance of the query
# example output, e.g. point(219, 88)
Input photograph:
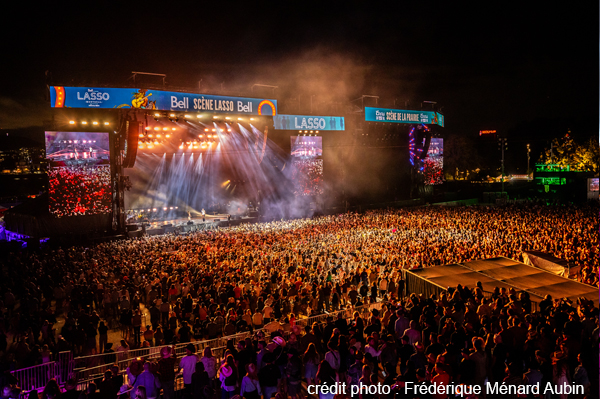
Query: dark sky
point(490, 66)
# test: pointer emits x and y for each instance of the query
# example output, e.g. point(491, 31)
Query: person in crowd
point(229, 378)
point(166, 371)
point(201, 386)
point(311, 361)
point(150, 381)
point(187, 367)
point(250, 387)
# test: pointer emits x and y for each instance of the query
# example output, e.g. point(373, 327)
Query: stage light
point(176, 208)
point(305, 131)
point(141, 135)
point(227, 118)
point(171, 208)
point(147, 128)
point(154, 209)
point(240, 119)
point(156, 142)
point(156, 115)
point(165, 209)
point(158, 135)
point(95, 123)
point(229, 130)
point(172, 115)
point(208, 136)
point(107, 123)
point(165, 128)
point(198, 116)
point(149, 135)
point(72, 122)
point(188, 116)
point(167, 136)
point(299, 131)
point(173, 129)
point(156, 128)
point(181, 147)
point(84, 122)
point(215, 117)
point(316, 131)
point(251, 119)
point(206, 130)
point(214, 130)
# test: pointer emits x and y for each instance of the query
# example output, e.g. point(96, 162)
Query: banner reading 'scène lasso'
point(88, 97)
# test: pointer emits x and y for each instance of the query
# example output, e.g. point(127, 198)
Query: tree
point(587, 156)
point(579, 157)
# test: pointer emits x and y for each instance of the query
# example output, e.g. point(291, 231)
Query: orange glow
point(270, 104)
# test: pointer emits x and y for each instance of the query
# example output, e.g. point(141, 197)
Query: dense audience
point(307, 175)
point(79, 190)
point(209, 284)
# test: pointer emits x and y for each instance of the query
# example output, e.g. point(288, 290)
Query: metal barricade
point(36, 377)
point(86, 369)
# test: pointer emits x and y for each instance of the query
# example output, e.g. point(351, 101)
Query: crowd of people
point(460, 337)
point(209, 284)
point(307, 175)
point(79, 190)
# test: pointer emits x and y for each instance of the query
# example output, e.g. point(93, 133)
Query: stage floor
point(184, 221)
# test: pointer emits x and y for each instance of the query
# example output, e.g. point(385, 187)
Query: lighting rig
point(204, 130)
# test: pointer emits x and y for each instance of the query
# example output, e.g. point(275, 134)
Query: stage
point(185, 225)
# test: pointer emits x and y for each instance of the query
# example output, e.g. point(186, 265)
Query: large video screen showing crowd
point(433, 166)
point(307, 168)
point(79, 173)
point(307, 146)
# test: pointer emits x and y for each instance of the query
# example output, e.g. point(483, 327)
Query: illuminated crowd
point(79, 190)
point(307, 176)
point(215, 283)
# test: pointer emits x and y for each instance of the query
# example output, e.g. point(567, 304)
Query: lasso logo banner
point(311, 122)
point(86, 97)
point(373, 114)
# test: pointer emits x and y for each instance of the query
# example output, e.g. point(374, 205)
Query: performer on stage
point(203, 215)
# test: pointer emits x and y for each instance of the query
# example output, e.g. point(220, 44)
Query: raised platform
point(185, 225)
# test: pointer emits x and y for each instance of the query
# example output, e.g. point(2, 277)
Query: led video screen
point(433, 166)
point(78, 173)
point(307, 146)
point(307, 175)
point(594, 185)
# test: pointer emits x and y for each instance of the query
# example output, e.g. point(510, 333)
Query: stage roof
point(502, 272)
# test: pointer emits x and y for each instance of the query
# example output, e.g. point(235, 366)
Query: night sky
point(531, 65)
